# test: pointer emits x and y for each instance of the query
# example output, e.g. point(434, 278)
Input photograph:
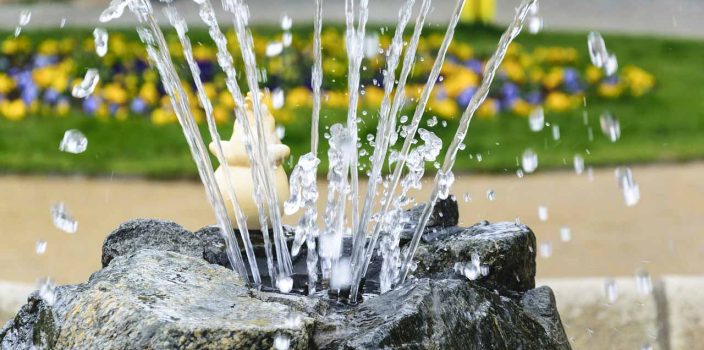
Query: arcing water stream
point(337, 271)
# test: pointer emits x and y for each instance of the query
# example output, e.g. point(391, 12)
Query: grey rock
point(445, 214)
point(158, 300)
point(138, 234)
point(435, 314)
point(540, 304)
point(506, 248)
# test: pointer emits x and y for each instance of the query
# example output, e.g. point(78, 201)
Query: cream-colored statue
point(240, 167)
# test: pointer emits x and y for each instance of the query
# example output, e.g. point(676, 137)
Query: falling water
point(181, 29)
point(492, 66)
point(159, 56)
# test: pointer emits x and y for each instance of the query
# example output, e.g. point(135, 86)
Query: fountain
point(357, 267)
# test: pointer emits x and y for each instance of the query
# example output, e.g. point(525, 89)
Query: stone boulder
point(167, 288)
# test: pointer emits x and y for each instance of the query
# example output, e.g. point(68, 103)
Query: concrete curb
point(669, 317)
point(12, 296)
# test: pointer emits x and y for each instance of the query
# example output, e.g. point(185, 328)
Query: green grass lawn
point(666, 125)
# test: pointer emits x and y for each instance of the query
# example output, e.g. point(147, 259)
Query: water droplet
point(73, 142)
point(529, 161)
point(546, 249)
point(115, 10)
point(565, 234)
point(287, 39)
point(47, 291)
point(62, 218)
point(274, 49)
point(87, 85)
point(40, 247)
point(643, 282)
point(611, 65)
point(610, 126)
point(555, 132)
point(519, 173)
point(543, 213)
point(403, 119)
point(467, 197)
point(628, 185)
point(445, 182)
point(25, 17)
point(597, 49)
point(277, 98)
point(282, 342)
point(535, 24)
point(490, 194)
point(432, 121)
point(341, 275)
point(285, 284)
point(479, 157)
point(611, 290)
point(100, 36)
point(537, 119)
point(286, 22)
point(646, 346)
point(578, 164)
point(471, 271)
point(280, 132)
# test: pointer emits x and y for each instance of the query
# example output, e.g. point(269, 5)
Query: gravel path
point(669, 18)
point(664, 233)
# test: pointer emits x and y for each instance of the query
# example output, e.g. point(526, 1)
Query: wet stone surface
point(165, 287)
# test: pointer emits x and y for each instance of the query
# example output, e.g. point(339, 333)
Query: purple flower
point(44, 60)
point(475, 65)
point(138, 105)
point(29, 93)
point(51, 96)
point(465, 96)
point(113, 107)
point(534, 97)
point(91, 104)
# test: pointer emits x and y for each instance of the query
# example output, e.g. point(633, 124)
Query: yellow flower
point(44, 76)
point(488, 109)
point(638, 80)
point(373, 96)
point(226, 100)
point(203, 53)
point(522, 108)
point(221, 114)
point(210, 90)
point(10, 47)
point(445, 108)
point(558, 101)
point(149, 93)
point(514, 71)
point(161, 116)
point(298, 96)
point(593, 74)
point(114, 93)
point(62, 108)
point(335, 99)
point(463, 78)
point(48, 47)
point(553, 79)
point(13, 110)
point(610, 90)
point(6, 83)
point(462, 51)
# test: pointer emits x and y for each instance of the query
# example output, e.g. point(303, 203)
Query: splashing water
point(643, 282)
point(87, 85)
point(610, 126)
point(611, 290)
point(40, 247)
point(565, 234)
point(529, 161)
point(282, 342)
point(543, 213)
point(599, 55)
point(25, 17)
point(47, 291)
point(629, 187)
point(100, 36)
point(536, 120)
point(578, 164)
point(62, 218)
point(73, 142)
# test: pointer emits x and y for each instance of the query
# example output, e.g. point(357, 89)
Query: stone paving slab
point(665, 18)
